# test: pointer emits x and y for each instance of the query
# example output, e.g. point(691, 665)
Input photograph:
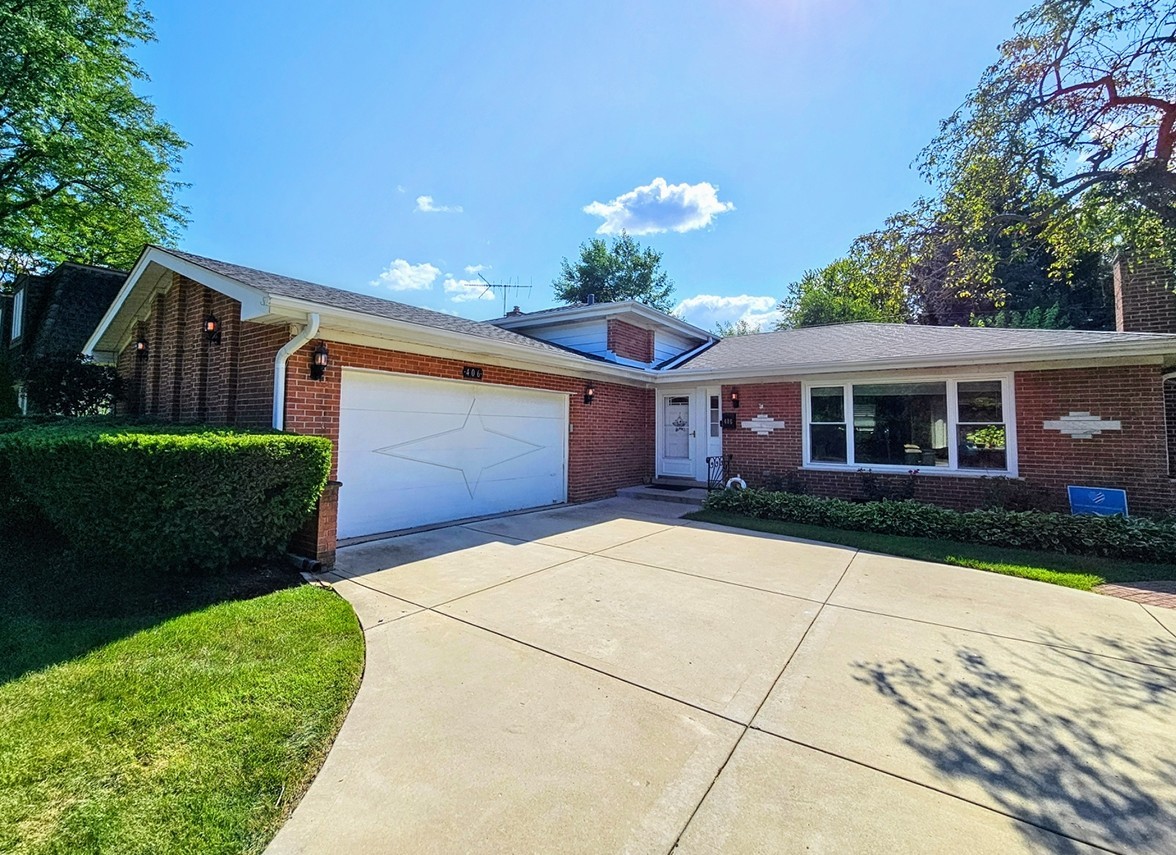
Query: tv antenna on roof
point(506, 287)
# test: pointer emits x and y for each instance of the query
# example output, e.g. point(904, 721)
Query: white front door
point(677, 434)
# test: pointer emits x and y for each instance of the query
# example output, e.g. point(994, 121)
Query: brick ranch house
point(437, 418)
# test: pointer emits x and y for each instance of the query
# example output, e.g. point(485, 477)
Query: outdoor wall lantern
point(319, 361)
point(212, 329)
point(141, 348)
point(589, 393)
point(734, 399)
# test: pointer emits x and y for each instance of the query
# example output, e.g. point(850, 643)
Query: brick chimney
point(1145, 296)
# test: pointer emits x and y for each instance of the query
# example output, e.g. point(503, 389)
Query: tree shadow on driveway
point(1075, 743)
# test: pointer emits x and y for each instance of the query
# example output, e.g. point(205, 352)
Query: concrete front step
point(691, 496)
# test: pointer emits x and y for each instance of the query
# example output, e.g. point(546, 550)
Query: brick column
point(316, 539)
point(1145, 296)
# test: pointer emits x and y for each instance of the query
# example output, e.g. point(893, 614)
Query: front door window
point(677, 428)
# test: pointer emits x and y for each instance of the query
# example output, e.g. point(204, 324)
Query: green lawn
point(143, 714)
point(1073, 571)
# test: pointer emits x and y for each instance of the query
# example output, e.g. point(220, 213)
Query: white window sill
point(940, 471)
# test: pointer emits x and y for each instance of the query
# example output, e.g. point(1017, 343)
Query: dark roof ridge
point(327, 295)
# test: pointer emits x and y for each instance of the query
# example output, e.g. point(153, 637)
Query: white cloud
point(402, 276)
point(464, 290)
point(400, 188)
point(660, 207)
point(475, 269)
point(708, 310)
point(426, 205)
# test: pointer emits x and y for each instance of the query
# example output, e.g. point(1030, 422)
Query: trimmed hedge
point(1119, 537)
point(167, 496)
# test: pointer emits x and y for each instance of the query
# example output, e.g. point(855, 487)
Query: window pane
point(827, 444)
point(828, 404)
point(900, 424)
point(983, 447)
point(980, 402)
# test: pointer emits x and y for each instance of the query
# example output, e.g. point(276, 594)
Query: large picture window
point(934, 424)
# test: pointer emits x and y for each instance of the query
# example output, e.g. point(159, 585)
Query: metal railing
point(718, 470)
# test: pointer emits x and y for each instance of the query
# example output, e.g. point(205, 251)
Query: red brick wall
point(185, 378)
point(611, 444)
point(1135, 458)
point(1144, 297)
point(258, 345)
point(630, 342)
point(756, 458)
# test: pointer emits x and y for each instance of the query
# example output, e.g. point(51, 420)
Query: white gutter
point(287, 350)
point(1004, 357)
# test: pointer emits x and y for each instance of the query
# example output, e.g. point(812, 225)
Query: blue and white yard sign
point(1103, 501)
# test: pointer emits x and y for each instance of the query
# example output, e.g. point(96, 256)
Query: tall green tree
point(85, 166)
point(844, 291)
point(730, 329)
point(1082, 103)
point(620, 271)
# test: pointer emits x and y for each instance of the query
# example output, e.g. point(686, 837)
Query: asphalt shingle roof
point(324, 295)
point(865, 342)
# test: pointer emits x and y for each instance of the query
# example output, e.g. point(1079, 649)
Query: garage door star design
point(470, 449)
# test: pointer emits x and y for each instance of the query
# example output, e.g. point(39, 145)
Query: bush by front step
point(166, 496)
point(1135, 538)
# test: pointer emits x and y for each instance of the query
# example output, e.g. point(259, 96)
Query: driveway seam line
point(1163, 625)
point(506, 582)
point(932, 788)
point(709, 578)
point(421, 606)
point(1003, 637)
point(759, 706)
point(580, 551)
point(592, 668)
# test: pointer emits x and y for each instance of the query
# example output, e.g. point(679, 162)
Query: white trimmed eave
point(133, 301)
point(1135, 352)
point(342, 325)
point(652, 317)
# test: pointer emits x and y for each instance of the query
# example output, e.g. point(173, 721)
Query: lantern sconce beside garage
point(319, 361)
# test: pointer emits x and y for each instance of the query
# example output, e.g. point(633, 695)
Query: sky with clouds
point(416, 151)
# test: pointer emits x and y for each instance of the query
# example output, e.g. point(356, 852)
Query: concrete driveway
point(606, 678)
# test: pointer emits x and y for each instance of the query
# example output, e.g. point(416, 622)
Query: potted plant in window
point(987, 446)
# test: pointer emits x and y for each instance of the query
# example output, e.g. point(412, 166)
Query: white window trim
point(1009, 407)
point(18, 300)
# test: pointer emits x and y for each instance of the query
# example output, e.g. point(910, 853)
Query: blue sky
point(397, 148)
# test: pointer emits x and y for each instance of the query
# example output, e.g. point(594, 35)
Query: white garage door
point(415, 451)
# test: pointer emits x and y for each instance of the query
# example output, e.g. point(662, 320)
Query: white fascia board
point(588, 370)
point(405, 331)
point(603, 310)
point(1137, 351)
point(253, 301)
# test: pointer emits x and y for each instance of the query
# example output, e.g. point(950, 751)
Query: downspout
point(287, 350)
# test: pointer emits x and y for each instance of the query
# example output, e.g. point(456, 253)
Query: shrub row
point(1135, 538)
point(163, 496)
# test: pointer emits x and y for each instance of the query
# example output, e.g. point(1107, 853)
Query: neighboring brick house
point(436, 418)
point(55, 314)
